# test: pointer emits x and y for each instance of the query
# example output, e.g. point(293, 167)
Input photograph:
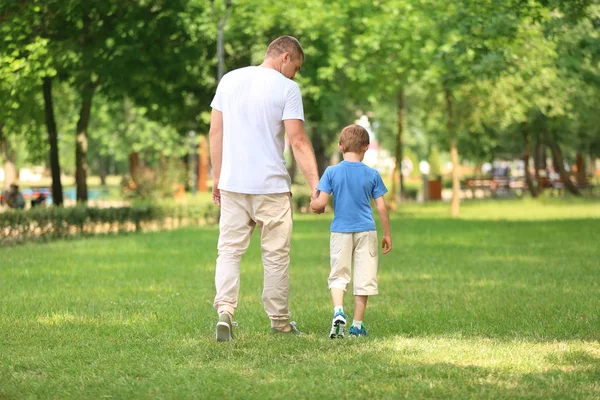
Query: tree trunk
point(322, 161)
point(102, 169)
point(538, 153)
point(293, 170)
point(81, 142)
point(526, 155)
point(135, 168)
point(57, 189)
point(9, 157)
point(560, 165)
point(221, 41)
point(455, 205)
point(581, 175)
point(203, 164)
point(320, 151)
point(398, 153)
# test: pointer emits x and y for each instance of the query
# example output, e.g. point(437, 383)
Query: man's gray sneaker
point(293, 331)
point(224, 328)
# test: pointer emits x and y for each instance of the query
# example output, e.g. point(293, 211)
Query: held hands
point(315, 193)
point(386, 244)
point(313, 207)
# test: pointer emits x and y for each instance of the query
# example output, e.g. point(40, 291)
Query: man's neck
point(271, 64)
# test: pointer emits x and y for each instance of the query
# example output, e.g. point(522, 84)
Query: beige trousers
point(240, 213)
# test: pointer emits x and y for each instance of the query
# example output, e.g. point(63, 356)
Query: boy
point(353, 234)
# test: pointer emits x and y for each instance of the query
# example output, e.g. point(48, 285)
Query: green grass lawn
point(503, 303)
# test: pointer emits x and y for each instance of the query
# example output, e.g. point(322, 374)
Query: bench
point(39, 195)
point(495, 186)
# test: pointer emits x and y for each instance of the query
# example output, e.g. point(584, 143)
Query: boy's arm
point(386, 243)
point(318, 205)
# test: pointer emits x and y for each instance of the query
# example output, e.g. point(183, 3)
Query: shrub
point(43, 224)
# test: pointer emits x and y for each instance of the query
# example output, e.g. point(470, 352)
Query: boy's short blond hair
point(353, 139)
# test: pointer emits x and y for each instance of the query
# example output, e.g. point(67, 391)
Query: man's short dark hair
point(285, 44)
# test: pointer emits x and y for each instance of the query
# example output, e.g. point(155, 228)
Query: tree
point(23, 64)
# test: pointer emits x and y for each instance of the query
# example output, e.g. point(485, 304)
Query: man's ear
point(340, 148)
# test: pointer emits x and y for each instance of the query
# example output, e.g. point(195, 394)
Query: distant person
point(353, 234)
point(424, 168)
point(407, 167)
point(39, 201)
point(486, 168)
point(251, 111)
point(505, 170)
point(14, 197)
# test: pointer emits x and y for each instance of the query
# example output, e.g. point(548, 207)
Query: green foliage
point(44, 224)
point(157, 183)
point(154, 64)
point(435, 164)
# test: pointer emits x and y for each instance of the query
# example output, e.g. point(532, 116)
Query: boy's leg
point(358, 328)
point(273, 214)
point(235, 230)
point(366, 251)
point(360, 304)
point(339, 277)
point(340, 249)
point(339, 318)
point(337, 297)
point(365, 263)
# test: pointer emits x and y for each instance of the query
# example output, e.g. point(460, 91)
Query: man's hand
point(216, 193)
point(386, 244)
point(315, 193)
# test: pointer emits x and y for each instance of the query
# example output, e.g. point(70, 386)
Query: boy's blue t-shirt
point(353, 185)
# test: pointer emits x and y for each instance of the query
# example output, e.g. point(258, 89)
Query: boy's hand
point(317, 210)
point(386, 244)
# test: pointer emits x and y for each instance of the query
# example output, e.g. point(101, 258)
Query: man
point(251, 110)
point(424, 168)
point(14, 198)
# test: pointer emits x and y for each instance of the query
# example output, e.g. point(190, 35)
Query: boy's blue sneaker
point(354, 331)
point(337, 325)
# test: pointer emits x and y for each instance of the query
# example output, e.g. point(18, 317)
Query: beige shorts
point(360, 249)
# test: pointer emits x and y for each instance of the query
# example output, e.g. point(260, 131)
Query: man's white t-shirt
point(255, 101)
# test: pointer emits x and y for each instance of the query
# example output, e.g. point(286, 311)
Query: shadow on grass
point(393, 369)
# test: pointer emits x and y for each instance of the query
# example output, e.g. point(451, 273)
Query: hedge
point(50, 223)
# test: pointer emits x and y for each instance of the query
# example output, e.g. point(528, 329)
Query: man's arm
point(303, 152)
point(216, 151)
point(386, 243)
